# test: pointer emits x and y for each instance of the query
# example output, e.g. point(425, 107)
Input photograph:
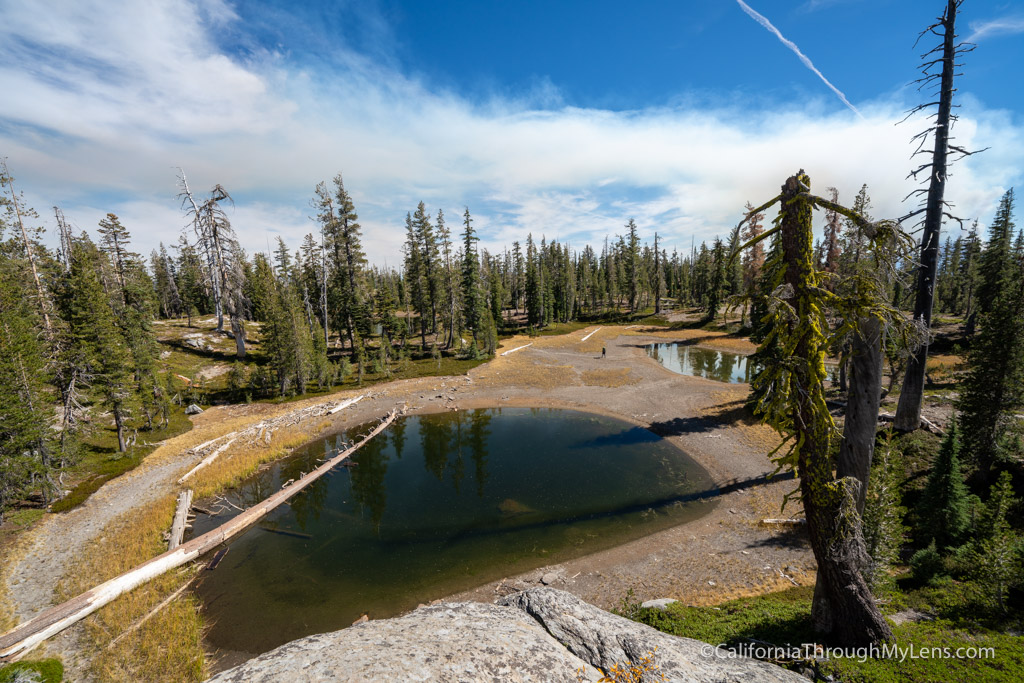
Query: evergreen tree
point(25, 434)
point(994, 386)
point(631, 261)
point(945, 503)
point(883, 518)
point(994, 554)
point(103, 355)
point(474, 306)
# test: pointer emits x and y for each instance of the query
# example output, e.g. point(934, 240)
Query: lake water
point(693, 360)
point(438, 504)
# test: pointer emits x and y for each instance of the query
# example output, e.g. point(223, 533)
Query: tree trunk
point(862, 403)
point(238, 330)
point(829, 503)
point(119, 421)
point(908, 412)
point(859, 430)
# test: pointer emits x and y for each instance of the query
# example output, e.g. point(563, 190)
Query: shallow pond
point(438, 504)
point(693, 360)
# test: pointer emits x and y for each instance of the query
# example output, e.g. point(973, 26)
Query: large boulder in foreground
point(604, 640)
point(541, 634)
point(458, 641)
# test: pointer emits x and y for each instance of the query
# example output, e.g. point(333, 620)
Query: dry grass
point(168, 647)
point(240, 462)
point(608, 378)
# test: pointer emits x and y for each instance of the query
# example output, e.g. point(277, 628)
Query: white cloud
point(996, 27)
point(144, 101)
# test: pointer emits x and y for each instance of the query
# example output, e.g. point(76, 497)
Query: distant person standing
point(604, 352)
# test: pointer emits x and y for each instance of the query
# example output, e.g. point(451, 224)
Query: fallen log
point(590, 335)
point(217, 557)
point(208, 459)
point(19, 640)
point(285, 532)
point(505, 353)
point(926, 424)
point(345, 404)
point(180, 518)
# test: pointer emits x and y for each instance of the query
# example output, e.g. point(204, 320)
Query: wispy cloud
point(761, 19)
point(996, 27)
point(147, 98)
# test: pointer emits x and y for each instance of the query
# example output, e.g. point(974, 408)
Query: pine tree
point(101, 351)
point(883, 518)
point(944, 502)
point(474, 305)
point(994, 385)
point(631, 261)
point(994, 554)
point(25, 435)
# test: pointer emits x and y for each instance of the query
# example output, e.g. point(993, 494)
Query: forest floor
point(727, 553)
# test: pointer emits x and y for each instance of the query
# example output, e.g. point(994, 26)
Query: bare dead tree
point(938, 68)
point(44, 303)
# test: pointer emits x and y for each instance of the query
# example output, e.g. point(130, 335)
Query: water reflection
point(707, 363)
point(439, 503)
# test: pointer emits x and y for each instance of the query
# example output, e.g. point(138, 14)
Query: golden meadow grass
point(168, 646)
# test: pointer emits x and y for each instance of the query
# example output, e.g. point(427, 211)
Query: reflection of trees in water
point(397, 433)
point(435, 440)
point(479, 435)
point(444, 436)
point(368, 479)
point(726, 362)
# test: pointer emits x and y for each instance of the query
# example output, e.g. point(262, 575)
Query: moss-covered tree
point(792, 400)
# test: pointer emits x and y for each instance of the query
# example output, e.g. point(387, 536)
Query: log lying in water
point(180, 519)
point(16, 642)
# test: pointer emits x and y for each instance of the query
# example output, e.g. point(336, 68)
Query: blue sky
point(562, 119)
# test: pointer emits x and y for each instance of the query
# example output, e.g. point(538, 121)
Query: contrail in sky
point(760, 18)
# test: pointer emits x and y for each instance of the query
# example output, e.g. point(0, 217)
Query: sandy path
point(703, 417)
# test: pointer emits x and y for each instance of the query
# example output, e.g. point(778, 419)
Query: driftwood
point(505, 353)
point(285, 532)
point(345, 404)
point(926, 424)
point(16, 642)
point(217, 557)
point(261, 432)
point(138, 624)
point(590, 335)
point(180, 518)
point(208, 459)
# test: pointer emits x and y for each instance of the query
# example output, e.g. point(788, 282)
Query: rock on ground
point(541, 634)
point(604, 640)
point(463, 641)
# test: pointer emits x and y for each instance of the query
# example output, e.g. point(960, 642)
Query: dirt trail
point(723, 554)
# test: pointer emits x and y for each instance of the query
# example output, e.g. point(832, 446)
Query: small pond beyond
point(699, 362)
point(434, 505)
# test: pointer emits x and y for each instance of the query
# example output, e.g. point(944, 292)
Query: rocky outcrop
point(463, 641)
point(604, 640)
point(541, 634)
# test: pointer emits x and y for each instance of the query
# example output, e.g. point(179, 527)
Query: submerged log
point(180, 518)
point(16, 642)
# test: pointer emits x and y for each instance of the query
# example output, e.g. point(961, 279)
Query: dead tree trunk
point(858, 445)
point(908, 412)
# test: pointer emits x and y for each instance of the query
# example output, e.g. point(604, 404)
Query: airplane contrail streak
point(761, 19)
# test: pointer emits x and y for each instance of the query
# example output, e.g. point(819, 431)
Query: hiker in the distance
point(604, 352)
